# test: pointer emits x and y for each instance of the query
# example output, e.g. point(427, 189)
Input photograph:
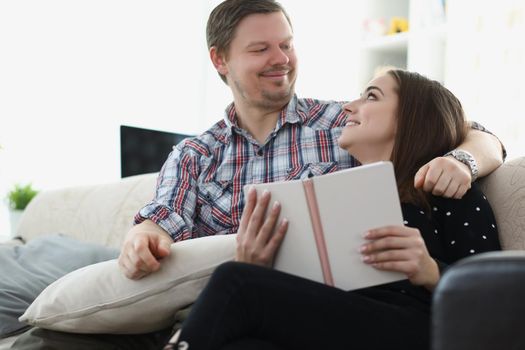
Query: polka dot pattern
point(456, 228)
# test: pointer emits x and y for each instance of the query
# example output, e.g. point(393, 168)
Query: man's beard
point(270, 99)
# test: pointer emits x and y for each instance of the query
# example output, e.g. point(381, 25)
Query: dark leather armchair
point(480, 301)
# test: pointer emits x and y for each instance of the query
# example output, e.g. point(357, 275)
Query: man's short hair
point(224, 19)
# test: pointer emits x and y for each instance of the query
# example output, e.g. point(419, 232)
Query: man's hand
point(143, 246)
point(401, 249)
point(444, 176)
point(256, 241)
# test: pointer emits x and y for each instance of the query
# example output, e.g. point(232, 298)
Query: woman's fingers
point(276, 239)
point(407, 267)
point(258, 237)
point(251, 200)
point(256, 220)
point(267, 229)
point(401, 249)
point(387, 231)
point(390, 243)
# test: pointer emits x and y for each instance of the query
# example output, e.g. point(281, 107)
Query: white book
point(328, 216)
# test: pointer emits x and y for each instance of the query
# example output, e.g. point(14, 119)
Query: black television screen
point(144, 151)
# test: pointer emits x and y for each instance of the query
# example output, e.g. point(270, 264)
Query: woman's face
point(370, 127)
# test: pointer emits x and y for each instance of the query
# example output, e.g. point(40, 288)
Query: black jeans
point(250, 307)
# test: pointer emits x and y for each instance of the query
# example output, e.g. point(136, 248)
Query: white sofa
point(99, 213)
point(104, 213)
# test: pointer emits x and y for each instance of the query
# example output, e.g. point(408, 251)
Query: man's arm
point(448, 177)
point(161, 222)
point(486, 150)
point(144, 244)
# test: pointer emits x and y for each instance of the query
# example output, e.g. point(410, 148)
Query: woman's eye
point(371, 96)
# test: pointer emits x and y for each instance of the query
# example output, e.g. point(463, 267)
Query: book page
point(351, 202)
point(298, 252)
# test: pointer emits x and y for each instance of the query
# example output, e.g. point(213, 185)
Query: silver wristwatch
point(467, 159)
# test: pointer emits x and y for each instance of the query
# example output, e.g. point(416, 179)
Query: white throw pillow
point(100, 299)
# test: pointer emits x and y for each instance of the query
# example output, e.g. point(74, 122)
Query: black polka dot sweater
point(454, 230)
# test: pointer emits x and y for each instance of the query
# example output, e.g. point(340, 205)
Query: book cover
point(328, 216)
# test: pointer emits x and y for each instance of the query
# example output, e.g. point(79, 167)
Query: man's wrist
point(467, 159)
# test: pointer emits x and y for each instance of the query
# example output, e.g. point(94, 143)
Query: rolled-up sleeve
point(477, 126)
point(173, 207)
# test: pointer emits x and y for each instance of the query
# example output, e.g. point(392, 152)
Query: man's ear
point(218, 60)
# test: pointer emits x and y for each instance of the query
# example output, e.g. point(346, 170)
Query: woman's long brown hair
point(430, 122)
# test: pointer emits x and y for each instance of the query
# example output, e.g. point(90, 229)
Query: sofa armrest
point(101, 213)
point(480, 303)
point(505, 190)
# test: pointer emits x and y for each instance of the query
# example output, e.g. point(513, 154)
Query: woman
point(409, 120)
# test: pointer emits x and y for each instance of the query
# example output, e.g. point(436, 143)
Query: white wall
point(485, 66)
point(72, 71)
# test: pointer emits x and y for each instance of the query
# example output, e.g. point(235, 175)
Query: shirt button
point(260, 152)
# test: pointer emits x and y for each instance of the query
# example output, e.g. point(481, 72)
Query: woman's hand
point(257, 238)
point(444, 176)
point(401, 249)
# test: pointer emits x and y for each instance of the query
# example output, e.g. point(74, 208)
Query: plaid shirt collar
point(291, 113)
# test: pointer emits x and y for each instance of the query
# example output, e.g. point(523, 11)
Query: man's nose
point(279, 57)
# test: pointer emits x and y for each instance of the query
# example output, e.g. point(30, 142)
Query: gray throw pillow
point(26, 270)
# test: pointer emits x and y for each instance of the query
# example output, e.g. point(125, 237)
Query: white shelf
point(422, 49)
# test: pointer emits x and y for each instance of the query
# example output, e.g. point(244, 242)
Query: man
point(268, 134)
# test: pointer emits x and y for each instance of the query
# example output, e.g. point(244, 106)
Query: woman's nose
point(350, 107)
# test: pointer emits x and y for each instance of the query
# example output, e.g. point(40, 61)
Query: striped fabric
point(200, 187)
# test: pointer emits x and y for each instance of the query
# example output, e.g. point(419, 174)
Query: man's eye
point(260, 50)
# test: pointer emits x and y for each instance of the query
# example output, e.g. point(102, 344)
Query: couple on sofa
point(268, 134)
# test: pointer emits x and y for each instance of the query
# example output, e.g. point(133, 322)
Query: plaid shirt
point(200, 187)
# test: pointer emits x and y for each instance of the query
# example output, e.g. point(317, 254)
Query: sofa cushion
point(100, 299)
point(26, 270)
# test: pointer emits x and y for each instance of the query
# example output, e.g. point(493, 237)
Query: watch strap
point(467, 159)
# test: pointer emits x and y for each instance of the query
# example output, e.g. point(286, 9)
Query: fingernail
point(365, 258)
point(276, 205)
point(366, 234)
point(363, 249)
point(265, 193)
